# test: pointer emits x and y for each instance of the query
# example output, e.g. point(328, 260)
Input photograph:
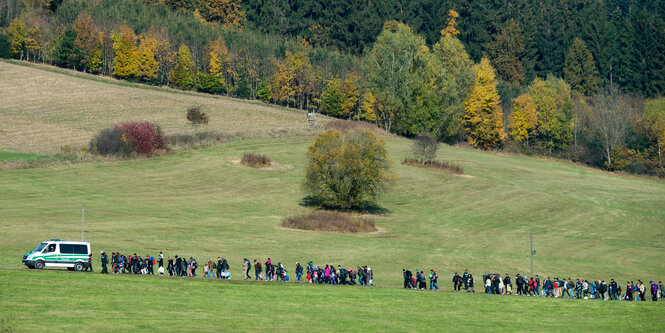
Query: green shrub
point(210, 84)
point(347, 171)
point(111, 141)
point(5, 47)
point(196, 116)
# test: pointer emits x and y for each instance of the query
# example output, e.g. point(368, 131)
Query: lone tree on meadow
point(346, 171)
point(424, 147)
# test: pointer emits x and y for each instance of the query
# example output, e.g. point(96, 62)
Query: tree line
point(497, 97)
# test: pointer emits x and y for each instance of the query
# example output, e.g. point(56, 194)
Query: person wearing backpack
point(433, 280)
point(257, 269)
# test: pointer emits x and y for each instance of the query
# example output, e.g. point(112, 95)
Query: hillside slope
point(42, 110)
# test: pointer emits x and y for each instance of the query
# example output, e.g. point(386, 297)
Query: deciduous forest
point(574, 79)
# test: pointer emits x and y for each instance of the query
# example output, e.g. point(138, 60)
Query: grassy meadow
point(43, 110)
point(73, 302)
point(586, 224)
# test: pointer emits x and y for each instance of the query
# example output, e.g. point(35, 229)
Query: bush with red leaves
point(144, 137)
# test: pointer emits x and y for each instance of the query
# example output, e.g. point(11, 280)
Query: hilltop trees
point(506, 51)
point(124, 44)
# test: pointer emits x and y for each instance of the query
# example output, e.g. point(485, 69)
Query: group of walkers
point(182, 267)
point(363, 276)
point(561, 288)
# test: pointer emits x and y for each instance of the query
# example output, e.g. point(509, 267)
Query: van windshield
point(40, 247)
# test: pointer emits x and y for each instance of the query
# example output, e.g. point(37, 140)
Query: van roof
point(61, 241)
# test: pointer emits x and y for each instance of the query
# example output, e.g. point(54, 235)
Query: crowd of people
point(556, 288)
point(493, 283)
point(268, 271)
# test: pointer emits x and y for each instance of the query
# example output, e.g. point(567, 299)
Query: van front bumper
point(29, 263)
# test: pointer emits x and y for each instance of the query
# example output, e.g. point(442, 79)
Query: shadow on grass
point(368, 207)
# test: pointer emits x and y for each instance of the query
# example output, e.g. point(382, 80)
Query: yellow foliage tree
point(17, 34)
point(124, 45)
point(146, 64)
point(220, 60)
point(350, 92)
point(451, 28)
point(283, 82)
point(483, 118)
point(228, 12)
point(523, 120)
point(367, 108)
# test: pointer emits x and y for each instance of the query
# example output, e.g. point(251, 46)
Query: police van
point(56, 253)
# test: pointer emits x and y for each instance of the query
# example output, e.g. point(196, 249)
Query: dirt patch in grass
point(330, 221)
point(436, 165)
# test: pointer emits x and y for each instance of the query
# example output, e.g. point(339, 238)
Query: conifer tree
point(483, 118)
point(506, 51)
point(580, 70)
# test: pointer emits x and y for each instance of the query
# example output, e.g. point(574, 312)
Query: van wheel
point(78, 267)
point(39, 264)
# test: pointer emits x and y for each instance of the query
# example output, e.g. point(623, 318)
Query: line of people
point(561, 288)
point(182, 267)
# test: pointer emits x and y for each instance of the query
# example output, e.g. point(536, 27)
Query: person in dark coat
point(105, 262)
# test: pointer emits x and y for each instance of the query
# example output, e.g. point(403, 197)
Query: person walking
point(257, 269)
point(654, 291)
point(105, 262)
point(245, 268)
point(465, 279)
point(508, 285)
point(169, 266)
point(642, 290)
point(613, 289)
point(433, 280)
point(299, 271)
point(219, 267)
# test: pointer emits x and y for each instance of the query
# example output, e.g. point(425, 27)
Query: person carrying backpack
point(433, 280)
point(257, 269)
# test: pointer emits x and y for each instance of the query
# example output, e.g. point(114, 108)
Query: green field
point(73, 302)
point(586, 224)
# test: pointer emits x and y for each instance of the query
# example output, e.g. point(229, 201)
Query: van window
point(80, 249)
point(40, 247)
point(66, 248)
point(51, 248)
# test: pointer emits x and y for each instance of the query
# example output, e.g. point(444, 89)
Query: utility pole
point(532, 254)
point(83, 215)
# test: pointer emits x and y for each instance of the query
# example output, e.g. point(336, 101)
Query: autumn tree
point(17, 34)
point(89, 41)
point(219, 61)
point(553, 103)
point(451, 28)
point(184, 72)
point(147, 66)
point(523, 120)
point(483, 118)
point(163, 53)
point(228, 12)
point(506, 51)
point(282, 84)
point(580, 69)
point(347, 171)
point(124, 44)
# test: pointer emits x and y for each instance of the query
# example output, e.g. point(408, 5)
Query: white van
point(56, 253)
